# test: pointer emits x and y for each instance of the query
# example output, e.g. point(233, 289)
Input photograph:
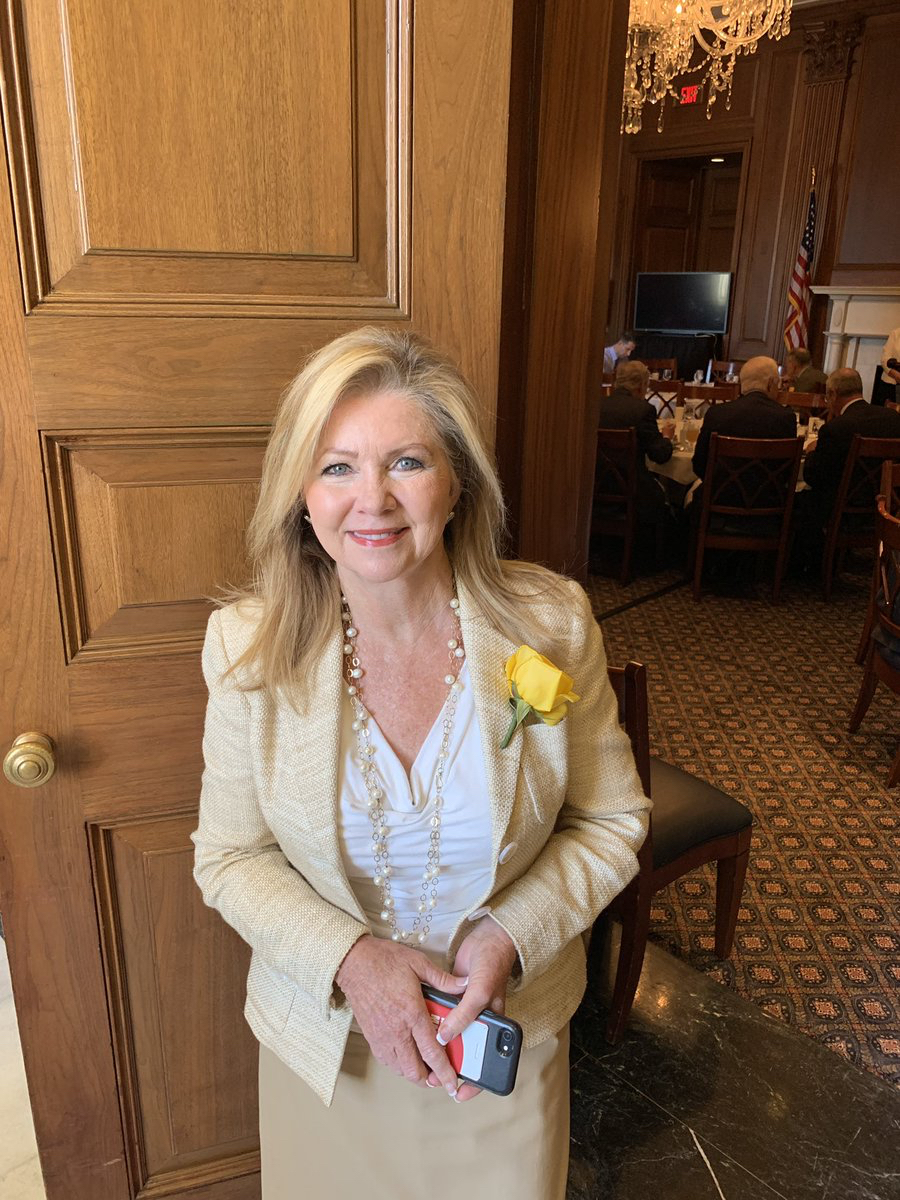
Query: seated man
point(826, 456)
point(757, 413)
point(625, 408)
point(799, 373)
point(621, 348)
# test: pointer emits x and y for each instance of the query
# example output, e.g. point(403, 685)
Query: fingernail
point(451, 1090)
point(441, 1040)
point(463, 978)
point(428, 1083)
point(456, 1099)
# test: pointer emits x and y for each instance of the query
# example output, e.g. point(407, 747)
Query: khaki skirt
point(384, 1139)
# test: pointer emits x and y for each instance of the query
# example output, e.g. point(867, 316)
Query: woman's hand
point(488, 956)
point(383, 983)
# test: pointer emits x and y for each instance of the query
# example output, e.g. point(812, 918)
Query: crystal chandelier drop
point(665, 38)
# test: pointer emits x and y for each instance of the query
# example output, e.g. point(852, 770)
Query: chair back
point(721, 367)
point(665, 395)
point(806, 402)
point(887, 601)
point(751, 477)
point(890, 486)
point(719, 393)
point(660, 364)
point(615, 472)
point(861, 477)
point(630, 685)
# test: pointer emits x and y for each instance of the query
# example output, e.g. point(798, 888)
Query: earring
point(450, 516)
point(306, 517)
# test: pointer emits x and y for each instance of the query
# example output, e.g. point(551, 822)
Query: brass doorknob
point(29, 761)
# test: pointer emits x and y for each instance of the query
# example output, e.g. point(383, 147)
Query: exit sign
point(690, 94)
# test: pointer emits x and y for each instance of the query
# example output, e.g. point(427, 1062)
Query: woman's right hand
point(383, 983)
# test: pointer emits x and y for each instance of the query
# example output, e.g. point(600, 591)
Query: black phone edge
point(495, 1020)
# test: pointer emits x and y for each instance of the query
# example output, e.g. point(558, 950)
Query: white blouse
point(409, 806)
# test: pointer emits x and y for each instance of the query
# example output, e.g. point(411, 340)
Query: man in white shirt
point(619, 349)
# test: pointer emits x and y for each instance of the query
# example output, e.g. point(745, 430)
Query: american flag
point(797, 325)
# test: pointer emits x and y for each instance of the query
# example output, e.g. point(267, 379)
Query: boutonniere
point(538, 691)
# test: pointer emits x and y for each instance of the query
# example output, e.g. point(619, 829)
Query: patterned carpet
point(755, 697)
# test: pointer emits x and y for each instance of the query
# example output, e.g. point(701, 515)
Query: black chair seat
point(688, 811)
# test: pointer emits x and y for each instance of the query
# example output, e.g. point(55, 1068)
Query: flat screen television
point(682, 301)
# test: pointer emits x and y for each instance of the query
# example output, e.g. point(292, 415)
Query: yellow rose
point(536, 687)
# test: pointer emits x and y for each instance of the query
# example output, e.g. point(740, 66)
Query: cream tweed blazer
point(567, 811)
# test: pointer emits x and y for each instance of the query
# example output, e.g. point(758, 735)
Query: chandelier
point(665, 38)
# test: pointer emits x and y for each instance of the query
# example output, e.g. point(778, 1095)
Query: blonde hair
point(295, 581)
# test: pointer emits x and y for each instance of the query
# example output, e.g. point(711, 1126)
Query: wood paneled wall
point(826, 96)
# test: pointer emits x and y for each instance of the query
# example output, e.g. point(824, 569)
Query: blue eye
point(407, 463)
point(336, 469)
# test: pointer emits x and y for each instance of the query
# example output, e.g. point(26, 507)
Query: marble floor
point(706, 1098)
point(20, 1172)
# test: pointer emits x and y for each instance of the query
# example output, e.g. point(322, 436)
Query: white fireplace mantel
point(859, 319)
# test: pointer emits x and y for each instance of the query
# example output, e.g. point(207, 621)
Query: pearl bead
point(377, 793)
point(370, 749)
point(453, 643)
point(377, 880)
point(426, 876)
point(356, 673)
point(435, 822)
point(388, 871)
point(421, 938)
point(454, 603)
point(455, 688)
point(389, 902)
point(432, 902)
point(352, 631)
point(395, 936)
point(372, 802)
point(380, 847)
point(449, 679)
point(348, 649)
point(459, 652)
point(382, 829)
point(356, 726)
point(351, 690)
point(385, 915)
point(404, 934)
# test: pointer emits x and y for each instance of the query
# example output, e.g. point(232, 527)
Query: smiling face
point(381, 489)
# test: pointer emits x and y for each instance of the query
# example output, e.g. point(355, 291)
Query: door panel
point(200, 197)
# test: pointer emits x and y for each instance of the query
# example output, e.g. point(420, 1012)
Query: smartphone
point(487, 1053)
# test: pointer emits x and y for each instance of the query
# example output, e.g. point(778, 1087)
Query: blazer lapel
point(487, 652)
point(314, 741)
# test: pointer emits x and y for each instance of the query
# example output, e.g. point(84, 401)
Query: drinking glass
point(667, 373)
point(698, 377)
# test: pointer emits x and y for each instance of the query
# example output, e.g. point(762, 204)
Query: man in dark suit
point(759, 412)
point(800, 375)
point(850, 414)
point(627, 407)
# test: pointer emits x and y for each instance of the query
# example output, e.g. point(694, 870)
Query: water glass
point(698, 377)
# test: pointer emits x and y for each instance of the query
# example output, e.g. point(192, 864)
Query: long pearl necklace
point(383, 870)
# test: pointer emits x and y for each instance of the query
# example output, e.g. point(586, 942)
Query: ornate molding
point(829, 49)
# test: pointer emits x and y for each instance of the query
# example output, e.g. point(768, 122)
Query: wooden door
point(200, 194)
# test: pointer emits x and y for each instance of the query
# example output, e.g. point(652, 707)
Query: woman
point(361, 826)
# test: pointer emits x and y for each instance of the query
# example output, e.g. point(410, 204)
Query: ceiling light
point(663, 38)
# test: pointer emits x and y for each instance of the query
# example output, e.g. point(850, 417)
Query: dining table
point(679, 468)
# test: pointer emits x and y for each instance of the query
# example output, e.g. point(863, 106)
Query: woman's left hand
point(487, 956)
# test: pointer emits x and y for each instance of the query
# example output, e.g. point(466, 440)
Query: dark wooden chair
point(806, 403)
point(748, 498)
point(660, 365)
point(692, 823)
point(719, 393)
point(889, 488)
point(614, 511)
point(665, 395)
point(721, 367)
point(851, 523)
point(883, 657)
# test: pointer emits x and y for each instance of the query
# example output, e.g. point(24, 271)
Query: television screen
point(682, 301)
